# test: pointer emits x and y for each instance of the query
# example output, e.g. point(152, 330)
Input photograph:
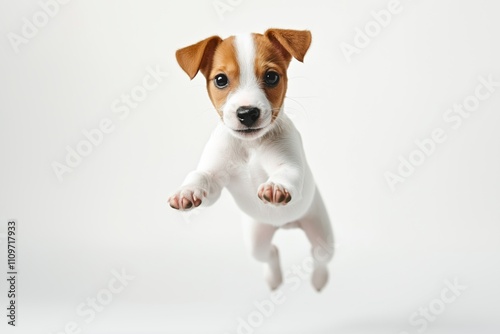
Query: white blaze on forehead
point(249, 92)
point(245, 53)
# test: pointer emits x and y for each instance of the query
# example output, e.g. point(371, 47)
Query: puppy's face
point(246, 75)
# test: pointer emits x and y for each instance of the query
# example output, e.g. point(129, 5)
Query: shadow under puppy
point(256, 152)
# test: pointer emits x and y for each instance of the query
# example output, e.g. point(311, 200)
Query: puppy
point(256, 152)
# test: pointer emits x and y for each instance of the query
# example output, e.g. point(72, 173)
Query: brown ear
point(198, 57)
point(295, 42)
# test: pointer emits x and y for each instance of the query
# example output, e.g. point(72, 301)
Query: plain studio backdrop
point(399, 115)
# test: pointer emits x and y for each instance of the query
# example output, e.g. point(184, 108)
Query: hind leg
point(258, 238)
point(318, 230)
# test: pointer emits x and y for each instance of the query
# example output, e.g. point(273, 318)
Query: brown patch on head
point(224, 62)
point(274, 51)
point(268, 58)
point(212, 56)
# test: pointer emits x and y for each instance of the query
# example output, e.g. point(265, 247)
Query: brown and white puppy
point(256, 152)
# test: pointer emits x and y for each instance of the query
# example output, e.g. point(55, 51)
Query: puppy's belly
point(243, 187)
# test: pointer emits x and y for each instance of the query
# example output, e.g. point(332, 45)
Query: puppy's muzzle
point(248, 115)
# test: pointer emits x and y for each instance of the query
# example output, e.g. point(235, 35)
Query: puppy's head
point(246, 75)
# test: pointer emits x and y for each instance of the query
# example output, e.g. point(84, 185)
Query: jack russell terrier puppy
point(256, 152)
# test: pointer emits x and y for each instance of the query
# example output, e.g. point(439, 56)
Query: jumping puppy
point(256, 152)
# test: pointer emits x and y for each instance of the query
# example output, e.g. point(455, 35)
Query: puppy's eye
point(271, 79)
point(221, 81)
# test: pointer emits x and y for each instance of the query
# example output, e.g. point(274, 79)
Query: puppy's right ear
point(198, 57)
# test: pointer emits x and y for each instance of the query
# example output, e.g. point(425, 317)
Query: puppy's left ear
point(294, 42)
point(198, 57)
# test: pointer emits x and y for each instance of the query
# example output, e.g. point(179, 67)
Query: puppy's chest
point(248, 168)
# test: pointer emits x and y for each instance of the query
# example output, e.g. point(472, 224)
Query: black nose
point(248, 115)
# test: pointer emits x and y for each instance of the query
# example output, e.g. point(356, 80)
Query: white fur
point(245, 53)
point(245, 166)
point(248, 93)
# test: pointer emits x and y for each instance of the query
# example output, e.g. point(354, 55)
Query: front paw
point(274, 193)
point(187, 198)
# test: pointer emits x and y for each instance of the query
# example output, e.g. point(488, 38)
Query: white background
point(192, 274)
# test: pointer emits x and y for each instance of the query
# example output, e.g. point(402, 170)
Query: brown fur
point(267, 58)
point(224, 61)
